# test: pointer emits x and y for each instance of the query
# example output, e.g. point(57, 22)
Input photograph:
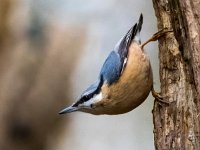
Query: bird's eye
point(92, 106)
point(85, 98)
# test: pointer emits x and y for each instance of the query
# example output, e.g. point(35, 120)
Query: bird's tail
point(134, 32)
point(132, 35)
point(138, 29)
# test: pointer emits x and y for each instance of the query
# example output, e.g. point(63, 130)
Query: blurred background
point(50, 51)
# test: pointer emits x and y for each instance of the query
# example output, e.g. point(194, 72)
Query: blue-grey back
point(111, 69)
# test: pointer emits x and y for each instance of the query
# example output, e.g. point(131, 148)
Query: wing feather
point(111, 69)
point(116, 61)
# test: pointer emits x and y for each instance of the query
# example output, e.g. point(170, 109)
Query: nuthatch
point(125, 79)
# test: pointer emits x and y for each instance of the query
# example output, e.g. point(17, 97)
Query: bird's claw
point(156, 36)
point(159, 34)
point(160, 98)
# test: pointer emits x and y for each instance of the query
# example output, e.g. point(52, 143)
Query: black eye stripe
point(88, 96)
point(83, 99)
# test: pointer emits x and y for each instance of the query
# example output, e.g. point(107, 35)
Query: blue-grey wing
point(115, 63)
point(111, 69)
point(133, 34)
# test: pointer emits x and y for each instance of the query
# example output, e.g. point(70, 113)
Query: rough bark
point(176, 126)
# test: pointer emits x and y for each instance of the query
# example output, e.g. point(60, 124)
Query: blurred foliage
point(36, 62)
point(4, 15)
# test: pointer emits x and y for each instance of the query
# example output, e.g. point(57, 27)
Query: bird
point(125, 79)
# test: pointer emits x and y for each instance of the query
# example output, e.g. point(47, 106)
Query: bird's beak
point(68, 110)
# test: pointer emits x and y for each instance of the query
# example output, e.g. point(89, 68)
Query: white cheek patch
point(95, 99)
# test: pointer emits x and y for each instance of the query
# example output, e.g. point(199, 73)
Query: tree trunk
point(177, 125)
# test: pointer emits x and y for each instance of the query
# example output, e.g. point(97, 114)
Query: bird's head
point(88, 102)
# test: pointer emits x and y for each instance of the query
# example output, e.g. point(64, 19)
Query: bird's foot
point(156, 36)
point(160, 98)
